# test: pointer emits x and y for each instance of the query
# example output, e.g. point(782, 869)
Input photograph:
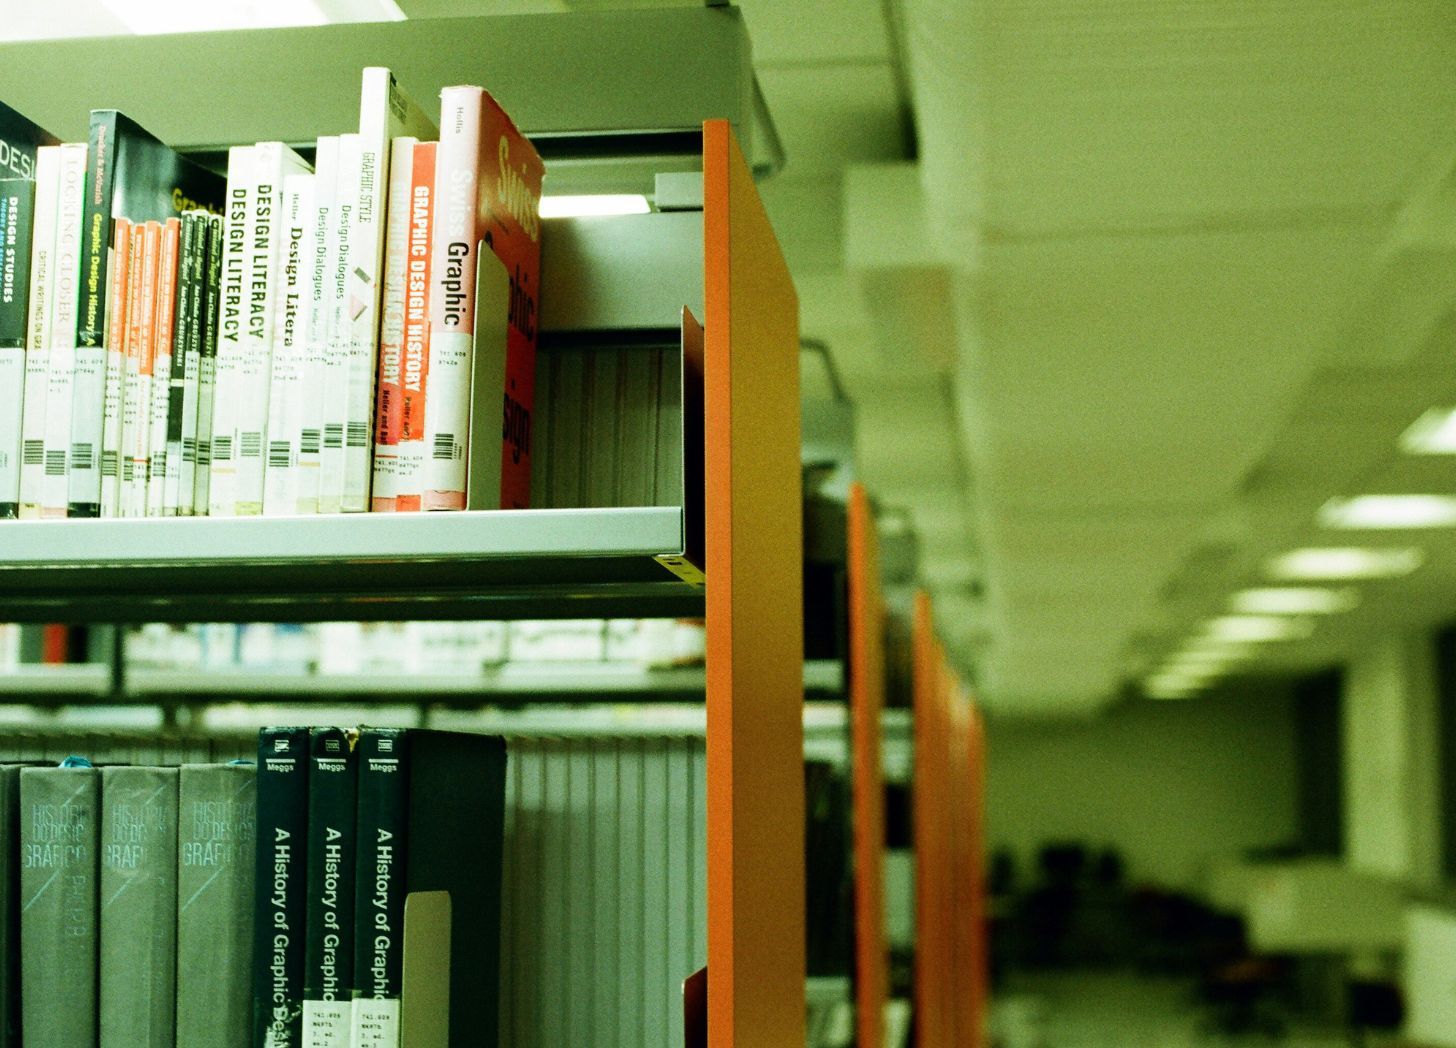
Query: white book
point(272, 162)
point(161, 399)
point(335, 384)
point(201, 426)
point(391, 325)
point(61, 361)
point(227, 379)
point(311, 395)
point(290, 336)
point(38, 330)
point(117, 299)
point(385, 113)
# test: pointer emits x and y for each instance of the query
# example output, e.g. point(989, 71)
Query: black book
point(191, 263)
point(456, 828)
point(17, 218)
point(132, 175)
point(19, 139)
point(278, 949)
point(384, 763)
point(329, 951)
point(207, 366)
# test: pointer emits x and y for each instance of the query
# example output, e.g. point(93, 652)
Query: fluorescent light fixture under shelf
point(1331, 563)
point(1390, 511)
point(594, 205)
point(1434, 433)
point(1294, 600)
point(1258, 629)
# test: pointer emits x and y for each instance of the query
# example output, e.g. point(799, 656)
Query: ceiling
point(1123, 293)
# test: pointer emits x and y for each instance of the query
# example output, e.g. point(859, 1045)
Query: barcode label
point(55, 463)
point(252, 445)
point(222, 449)
point(189, 449)
point(358, 434)
point(204, 452)
point(278, 454)
point(128, 469)
point(444, 447)
point(309, 442)
point(108, 463)
point(82, 456)
point(158, 464)
point(333, 435)
point(33, 452)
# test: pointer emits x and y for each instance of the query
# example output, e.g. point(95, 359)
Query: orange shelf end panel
point(933, 940)
point(867, 703)
point(754, 555)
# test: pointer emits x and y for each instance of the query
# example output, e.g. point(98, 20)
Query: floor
point(1101, 1010)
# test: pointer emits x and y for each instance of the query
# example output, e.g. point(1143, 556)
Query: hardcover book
point(207, 366)
point(282, 858)
point(138, 907)
point(38, 330)
point(228, 380)
point(134, 176)
point(161, 392)
point(316, 337)
point(136, 418)
point(384, 764)
point(17, 218)
point(19, 140)
point(61, 354)
point(290, 338)
point(329, 949)
point(487, 192)
point(118, 320)
point(335, 387)
point(216, 843)
point(59, 826)
point(10, 906)
point(186, 337)
point(387, 406)
point(411, 450)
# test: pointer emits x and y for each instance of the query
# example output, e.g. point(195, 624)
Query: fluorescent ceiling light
point(1434, 433)
point(1258, 629)
point(1294, 600)
point(594, 205)
point(1350, 562)
point(1390, 511)
point(149, 17)
point(1170, 686)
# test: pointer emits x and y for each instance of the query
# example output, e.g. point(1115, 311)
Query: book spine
point(17, 220)
point(192, 355)
point(88, 396)
point(10, 905)
point(337, 350)
point(383, 756)
point(38, 330)
point(278, 952)
point(136, 427)
point(260, 290)
point(207, 365)
point(59, 826)
point(188, 291)
point(61, 361)
point(310, 431)
point(280, 479)
point(387, 406)
point(138, 942)
point(452, 297)
point(411, 452)
point(216, 842)
point(329, 950)
point(231, 344)
point(161, 403)
point(118, 294)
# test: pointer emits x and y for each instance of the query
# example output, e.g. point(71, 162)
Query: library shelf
point(47, 684)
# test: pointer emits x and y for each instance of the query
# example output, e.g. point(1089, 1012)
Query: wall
point(1172, 785)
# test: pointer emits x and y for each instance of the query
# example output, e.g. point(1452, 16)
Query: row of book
point(253, 905)
point(296, 337)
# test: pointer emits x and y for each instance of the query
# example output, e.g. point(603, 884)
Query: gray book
point(138, 907)
point(59, 825)
point(9, 906)
point(217, 817)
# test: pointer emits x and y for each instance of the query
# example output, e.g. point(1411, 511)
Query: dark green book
point(138, 907)
point(207, 367)
point(456, 828)
point(17, 219)
point(10, 906)
point(384, 764)
point(328, 971)
point(282, 866)
point(193, 323)
point(216, 842)
point(190, 264)
point(131, 175)
point(19, 139)
point(59, 826)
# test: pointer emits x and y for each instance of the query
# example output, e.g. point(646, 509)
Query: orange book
point(414, 369)
point(162, 365)
point(136, 411)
